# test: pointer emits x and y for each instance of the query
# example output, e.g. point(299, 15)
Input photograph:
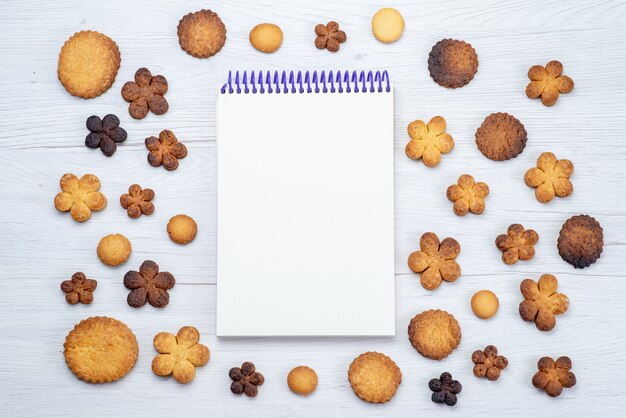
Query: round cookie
point(182, 229)
point(266, 37)
point(452, 63)
point(434, 333)
point(581, 241)
point(114, 249)
point(485, 304)
point(501, 137)
point(302, 380)
point(100, 350)
point(387, 25)
point(88, 64)
point(201, 34)
point(374, 377)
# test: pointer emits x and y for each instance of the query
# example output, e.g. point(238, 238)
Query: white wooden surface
point(41, 137)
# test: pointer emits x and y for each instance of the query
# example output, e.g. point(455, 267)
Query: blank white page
point(305, 238)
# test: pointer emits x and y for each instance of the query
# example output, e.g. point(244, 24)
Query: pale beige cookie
point(374, 377)
point(114, 249)
point(387, 25)
point(485, 304)
point(179, 354)
point(302, 380)
point(182, 229)
point(434, 333)
point(266, 37)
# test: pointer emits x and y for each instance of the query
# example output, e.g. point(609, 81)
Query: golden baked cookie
point(180, 354)
point(541, 302)
point(374, 377)
point(434, 333)
point(501, 137)
point(100, 350)
point(79, 197)
point(387, 25)
point(201, 34)
point(182, 229)
point(114, 249)
point(302, 380)
point(548, 83)
point(452, 63)
point(550, 178)
point(581, 241)
point(266, 37)
point(88, 64)
point(467, 195)
point(553, 376)
point(428, 142)
point(485, 304)
point(435, 261)
point(517, 244)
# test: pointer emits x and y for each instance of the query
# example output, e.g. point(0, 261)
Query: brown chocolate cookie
point(452, 63)
point(434, 333)
point(501, 137)
point(580, 241)
point(201, 34)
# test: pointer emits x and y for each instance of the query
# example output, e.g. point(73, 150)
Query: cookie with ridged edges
point(581, 241)
point(88, 64)
point(100, 350)
point(201, 34)
point(434, 333)
point(452, 63)
point(374, 377)
point(501, 137)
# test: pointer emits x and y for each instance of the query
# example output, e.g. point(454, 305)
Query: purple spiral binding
point(309, 82)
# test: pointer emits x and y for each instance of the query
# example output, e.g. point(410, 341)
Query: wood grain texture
point(41, 137)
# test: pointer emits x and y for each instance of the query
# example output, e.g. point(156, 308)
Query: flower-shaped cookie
point(245, 379)
point(79, 197)
point(165, 150)
point(550, 178)
point(145, 93)
point(148, 284)
point(517, 244)
point(548, 82)
point(445, 389)
point(104, 133)
point(79, 289)
point(487, 363)
point(428, 142)
point(553, 376)
point(137, 201)
point(180, 354)
point(329, 36)
point(467, 195)
point(435, 261)
point(542, 302)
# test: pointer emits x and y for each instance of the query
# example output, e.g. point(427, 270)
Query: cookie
point(114, 249)
point(179, 354)
point(485, 304)
point(266, 37)
point(517, 244)
point(79, 197)
point(302, 380)
point(201, 34)
point(374, 377)
point(88, 64)
point(387, 25)
point(452, 63)
point(246, 379)
point(434, 333)
point(488, 363)
point(137, 201)
point(79, 289)
point(550, 178)
point(100, 350)
point(182, 229)
point(548, 83)
point(580, 241)
point(329, 36)
point(501, 137)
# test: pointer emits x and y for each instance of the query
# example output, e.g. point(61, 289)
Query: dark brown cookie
point(148, 285)
point(452, 63)
point(580, 241)
point(501, 137)
point(201, 34)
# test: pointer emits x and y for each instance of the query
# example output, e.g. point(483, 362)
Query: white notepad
point(305, 238)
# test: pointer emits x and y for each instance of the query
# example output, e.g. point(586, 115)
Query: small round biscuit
point(100, 350)
point(434, 333)
point(374, 377)
point(387, 25)
point(452, 63)
point(114, 249)
point(201, 34)
point(581, 241)
point(302, 380)
point(485, 304)
point(266, 37)
point(182, 229)
point(501, 137)
point(88, 64)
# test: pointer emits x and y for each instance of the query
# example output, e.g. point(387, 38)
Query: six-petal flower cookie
point(550, 178)
point(79, 197)
point(467, 195)
point(145, 93)
point(165, 150)
point(517, 244)
point(553, 376)
point(548, 82)
point(435, 261)
point(137, 201)
point(542, 302)
point(180, 354)
point(79, 289)
point(428, 142)
point(148, 284)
